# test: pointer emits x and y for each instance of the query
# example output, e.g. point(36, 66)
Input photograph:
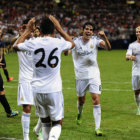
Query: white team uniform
point(85, 65)
point(25, 94)
point(47, 81)
point(134, 49)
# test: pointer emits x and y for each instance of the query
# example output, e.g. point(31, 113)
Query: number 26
point(50, 58)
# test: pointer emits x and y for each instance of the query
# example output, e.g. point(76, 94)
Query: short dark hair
point(88, 23)
point(26, 20)
point(46, 26)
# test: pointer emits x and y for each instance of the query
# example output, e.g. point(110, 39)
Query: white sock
point(97, 115)
point(46, 130)
point(26, 136)
point(80, 108)
point(55, 132)
point(25, 120)
point(137, 99)
point(38, 126)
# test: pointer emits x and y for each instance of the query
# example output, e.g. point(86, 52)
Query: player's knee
point(27, 108)
point(137, 92)
point(56, 122)
point(96, 101)
point(81, 100)
point(46, 120)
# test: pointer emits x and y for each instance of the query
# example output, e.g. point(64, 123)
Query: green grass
point(119, 121)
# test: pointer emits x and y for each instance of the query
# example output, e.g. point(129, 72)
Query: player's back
point(46, 64)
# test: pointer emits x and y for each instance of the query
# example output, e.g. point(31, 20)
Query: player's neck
point(48, 35)
point(85, 40)
point(138, 40)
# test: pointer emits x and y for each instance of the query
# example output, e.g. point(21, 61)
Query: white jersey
point(134, 49)
point(46, 53)
point(85, 58)
point(25, 65)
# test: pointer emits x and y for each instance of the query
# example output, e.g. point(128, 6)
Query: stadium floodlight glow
point(57, 1)
point(130, 1)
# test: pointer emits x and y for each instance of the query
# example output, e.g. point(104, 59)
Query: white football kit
point(25, 94)
point(134, 49)
point(85, 65)
point(46, 53)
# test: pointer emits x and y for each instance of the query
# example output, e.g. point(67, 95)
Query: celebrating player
point(87, 71)
point(47, 83)
point(25, 94)
point(133, 53)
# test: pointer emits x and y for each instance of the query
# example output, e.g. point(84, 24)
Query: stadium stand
point(118, 18)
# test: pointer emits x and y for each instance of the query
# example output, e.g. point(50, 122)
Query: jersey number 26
point(50, 58)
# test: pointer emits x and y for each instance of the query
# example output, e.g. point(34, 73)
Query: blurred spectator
point(117, 18)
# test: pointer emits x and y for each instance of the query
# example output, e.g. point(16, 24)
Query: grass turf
point(119, 120)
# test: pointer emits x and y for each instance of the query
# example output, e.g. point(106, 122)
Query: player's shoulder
point(59, 38)
point(78, 38)
point(95, 38)
point(133, 44)
point(30, 39)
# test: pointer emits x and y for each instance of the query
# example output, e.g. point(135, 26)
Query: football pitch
point(119, 120)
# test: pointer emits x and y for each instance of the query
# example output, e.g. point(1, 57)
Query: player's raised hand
point(55, 22)
point(31, 24)
point(101, 33)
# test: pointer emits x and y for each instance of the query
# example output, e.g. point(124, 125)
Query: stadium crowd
point(115, 17)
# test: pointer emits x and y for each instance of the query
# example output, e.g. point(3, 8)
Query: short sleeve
point(28, 45)
point(129, 50)
point(98, 40)
point(65, 45)
point(75, 40)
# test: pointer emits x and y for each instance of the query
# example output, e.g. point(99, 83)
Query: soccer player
point(87, 72)
point(133, 54)
point(3, 59)
point(47, 83)
point(25, 94)
point(3, 98)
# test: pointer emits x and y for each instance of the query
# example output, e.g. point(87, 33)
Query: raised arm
point(60, 30)
point(29, 28)
point(104, 44)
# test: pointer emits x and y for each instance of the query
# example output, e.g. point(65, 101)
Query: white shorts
point(25, 94)
point(136, 82)
point(93, 85)
point(49, 105)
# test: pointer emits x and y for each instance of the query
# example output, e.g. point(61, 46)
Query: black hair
point(88, 23)
point(46, 26)
point(26, 20)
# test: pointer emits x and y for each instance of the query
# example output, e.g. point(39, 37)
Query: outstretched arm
point(60, 30)
point(104, 44)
